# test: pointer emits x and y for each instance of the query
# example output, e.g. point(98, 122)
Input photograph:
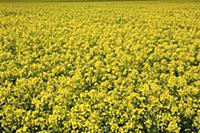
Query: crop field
point(100, 67)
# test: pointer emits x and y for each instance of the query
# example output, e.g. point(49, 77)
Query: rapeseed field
point(100, 67)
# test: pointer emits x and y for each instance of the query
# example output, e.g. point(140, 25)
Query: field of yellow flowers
point(100, 67)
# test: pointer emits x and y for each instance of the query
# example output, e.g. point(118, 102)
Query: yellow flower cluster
point(100, 67)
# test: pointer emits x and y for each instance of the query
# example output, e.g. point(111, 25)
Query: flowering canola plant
point(100, 67)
